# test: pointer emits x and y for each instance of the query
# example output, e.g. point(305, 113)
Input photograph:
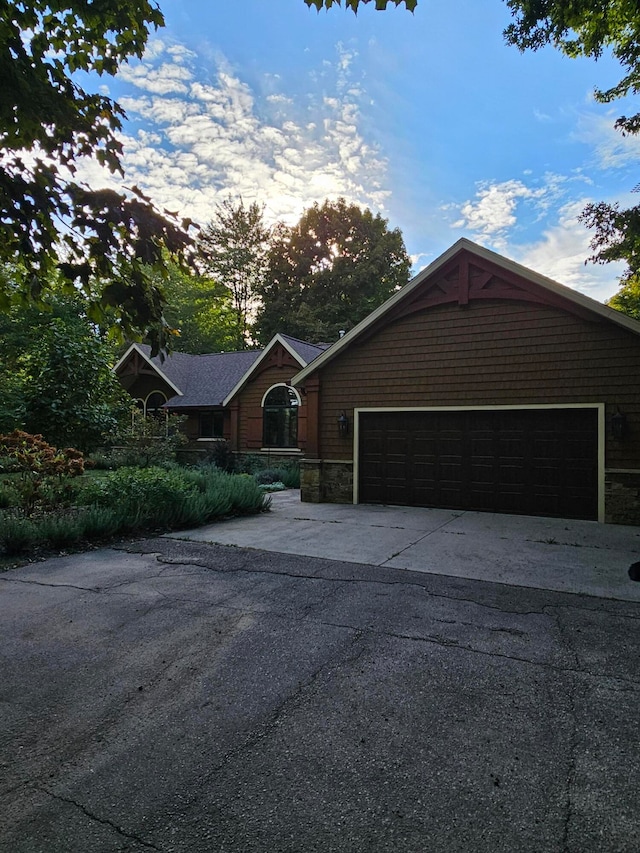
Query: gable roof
point(169, 372)
point(198, 380)
point(214, 379)
point(305, 350)
point(302, 351)
point(572, 299)
point(211, 376)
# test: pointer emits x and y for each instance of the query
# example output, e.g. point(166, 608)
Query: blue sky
point(429, 119)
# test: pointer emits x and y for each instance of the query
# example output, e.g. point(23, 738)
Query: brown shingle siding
point(502, 353)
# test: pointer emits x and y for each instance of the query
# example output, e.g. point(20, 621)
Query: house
point(480, 385)
point(243, 397)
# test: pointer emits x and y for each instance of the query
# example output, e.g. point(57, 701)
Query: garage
point(480, 385)
point(537, 461)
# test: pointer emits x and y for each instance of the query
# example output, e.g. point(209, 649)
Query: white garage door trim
point(600, 407)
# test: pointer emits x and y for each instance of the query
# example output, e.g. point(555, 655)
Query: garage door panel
point(534, 462)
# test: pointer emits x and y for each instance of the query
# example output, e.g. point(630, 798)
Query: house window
point(280, 417)
point(155, 402)
point(211, 424)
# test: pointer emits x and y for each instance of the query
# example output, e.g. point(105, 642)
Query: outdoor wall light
point(619, 425)
point(343, 424)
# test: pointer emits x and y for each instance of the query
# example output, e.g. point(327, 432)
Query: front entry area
point(523, 461)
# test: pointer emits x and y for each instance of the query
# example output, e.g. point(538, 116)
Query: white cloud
point(169, 78)
point(562, 251)
point(192, 140)
point(502, 212)
point(612, 150)
point(493, 211)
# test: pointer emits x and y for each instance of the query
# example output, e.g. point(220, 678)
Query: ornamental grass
point(128, 502)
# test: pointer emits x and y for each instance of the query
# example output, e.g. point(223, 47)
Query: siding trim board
point(599, 408)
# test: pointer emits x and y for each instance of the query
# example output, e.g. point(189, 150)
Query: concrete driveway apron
point(581, 557)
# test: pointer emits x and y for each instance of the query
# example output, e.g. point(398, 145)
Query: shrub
point(101, 460)
point(286, 471)
point(169, 497)
point(137, 487)
point(16, 534)
point(37, 463)
point(247, 496)
point(60, 531)
point(222, 456)
point(266, 477)
point(8, 496)
point(147, 442)
point(100, 522)
point(131, 500)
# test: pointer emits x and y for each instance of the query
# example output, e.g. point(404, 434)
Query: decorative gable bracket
point(466, 278)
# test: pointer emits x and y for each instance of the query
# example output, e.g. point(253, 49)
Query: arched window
point(280, 417)
point(155, 402)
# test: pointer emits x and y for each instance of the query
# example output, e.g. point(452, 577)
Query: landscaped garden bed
point(49, 503)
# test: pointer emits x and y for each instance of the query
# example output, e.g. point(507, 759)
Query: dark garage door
point(531, 462)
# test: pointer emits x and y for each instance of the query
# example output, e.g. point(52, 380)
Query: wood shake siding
point(487, 353)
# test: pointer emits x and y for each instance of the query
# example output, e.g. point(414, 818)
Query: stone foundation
point(326, 481)
point(622, 497)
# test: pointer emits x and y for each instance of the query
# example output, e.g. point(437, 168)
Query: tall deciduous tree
point(353, 4)
point(233, 250)
point(99, 239)
point(201, 311)
point(330, 271)
point(627, 299)
point(57, 369)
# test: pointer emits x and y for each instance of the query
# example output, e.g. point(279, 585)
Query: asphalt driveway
point(186, 697)
point(545, 553)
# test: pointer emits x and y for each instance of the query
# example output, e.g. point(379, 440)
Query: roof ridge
point(300, 341)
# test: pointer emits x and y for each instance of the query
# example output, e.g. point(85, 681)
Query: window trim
point(293, 406)
point(212, 413)
point(281, 385)
point(146, 402)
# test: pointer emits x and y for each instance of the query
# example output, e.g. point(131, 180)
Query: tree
point(587, 28)
point(584, 28)
point(100, 240)
point(329, 271)
point(233, 250)
point(201, 311)
point(627, 299)
point(58, 369)
point(381, 5)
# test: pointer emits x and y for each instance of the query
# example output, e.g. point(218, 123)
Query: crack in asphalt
point(446, 642)
point(169, 560)
point(432, 639)
point(290, 702)
point(347, 649)
point(355, 581)
point(27, 581)
point(100, 820)
point(571, 768)
point(340, 583)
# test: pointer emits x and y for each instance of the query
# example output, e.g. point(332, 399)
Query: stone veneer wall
point(326, 482)
point(622, 497)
